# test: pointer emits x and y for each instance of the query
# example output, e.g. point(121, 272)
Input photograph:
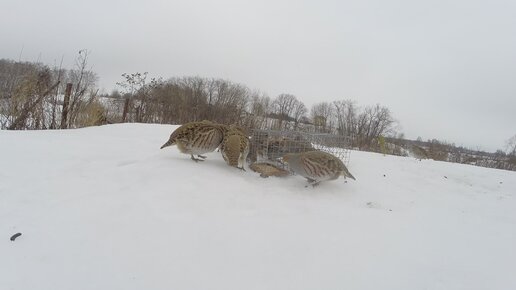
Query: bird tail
point(169, 143)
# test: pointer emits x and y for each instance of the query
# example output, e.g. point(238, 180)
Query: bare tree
point(138, 99)
point(84, 92)
point(346, 115)
point(511, 146)
point(230, 101)
point(322, 116)
point(57, 74)
point(28, 108)
point(23, 91)
point(299, 113)
point(17, 89)
point(185, 99)
point(259, 108)
point(286, 108)
point(372, 123)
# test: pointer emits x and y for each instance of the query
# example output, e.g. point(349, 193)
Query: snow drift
point(104, 208)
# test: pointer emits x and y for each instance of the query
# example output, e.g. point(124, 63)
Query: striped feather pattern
point(317, 165)
point(235, 147)
point(196, 137)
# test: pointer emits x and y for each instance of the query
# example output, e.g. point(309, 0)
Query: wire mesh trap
point(270, 145)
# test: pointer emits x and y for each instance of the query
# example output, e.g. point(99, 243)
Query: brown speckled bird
point(235, 147)
point(317, 166)
point(197, 138)
point(267, 169)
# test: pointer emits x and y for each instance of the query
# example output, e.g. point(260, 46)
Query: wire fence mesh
point(270, 145)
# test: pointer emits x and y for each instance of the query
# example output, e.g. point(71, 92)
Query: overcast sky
point(446, 69)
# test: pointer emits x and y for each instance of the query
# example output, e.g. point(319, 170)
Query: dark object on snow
point(15, 236)
point(445, 177)
point(384, 175)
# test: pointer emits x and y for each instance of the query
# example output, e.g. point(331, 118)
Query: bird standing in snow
point(197, 138)
point(235, 147)
point(317, 166)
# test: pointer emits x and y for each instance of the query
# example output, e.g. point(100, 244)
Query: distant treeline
point(35, 96)
point(31, 95)
point(443, 151)
point(185, 99)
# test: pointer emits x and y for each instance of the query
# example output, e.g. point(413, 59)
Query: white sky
point(446, 69)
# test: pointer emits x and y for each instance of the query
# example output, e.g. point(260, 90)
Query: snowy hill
point(104, 208)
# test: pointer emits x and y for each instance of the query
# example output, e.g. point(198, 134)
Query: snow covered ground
point(104, 208)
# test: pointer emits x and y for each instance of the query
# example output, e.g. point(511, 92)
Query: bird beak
point(351, 176)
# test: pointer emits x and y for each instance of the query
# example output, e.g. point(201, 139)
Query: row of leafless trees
point(445, 151)
point(511, 146)
point(34, 96)
point(185, 99)
point(365, 124)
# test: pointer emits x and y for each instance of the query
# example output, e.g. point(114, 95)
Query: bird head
point(347, 174)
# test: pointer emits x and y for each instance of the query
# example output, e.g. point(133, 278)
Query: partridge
point(316, 166)
point(235, 147)
point(196, 138)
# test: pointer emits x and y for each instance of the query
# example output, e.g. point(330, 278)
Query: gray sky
point(446, 69)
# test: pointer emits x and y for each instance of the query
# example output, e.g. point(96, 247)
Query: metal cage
point(270, 145)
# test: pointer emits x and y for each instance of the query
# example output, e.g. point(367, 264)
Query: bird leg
point(201, 156)
point(312, 182)
point(195, 159)
point(241, 168)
